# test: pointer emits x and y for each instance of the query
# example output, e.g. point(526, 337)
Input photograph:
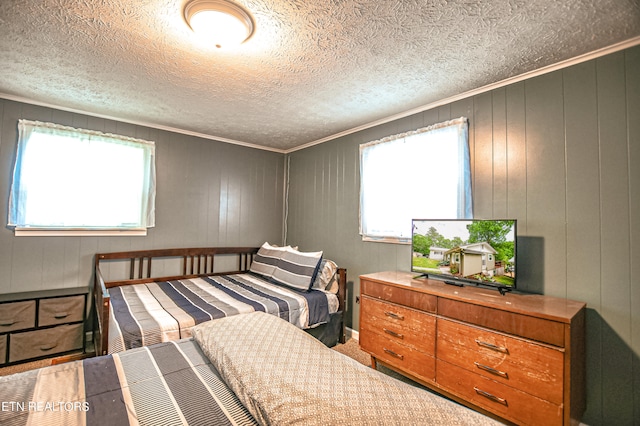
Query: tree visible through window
point(73, 179)
point(423, 174)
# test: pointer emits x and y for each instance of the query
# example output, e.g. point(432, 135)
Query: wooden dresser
point(520, 357)
point(42, 324)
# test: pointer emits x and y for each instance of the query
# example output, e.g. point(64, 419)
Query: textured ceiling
point(314, 68)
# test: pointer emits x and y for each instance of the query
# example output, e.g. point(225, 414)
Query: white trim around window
point(69, 181)
point(424, 173)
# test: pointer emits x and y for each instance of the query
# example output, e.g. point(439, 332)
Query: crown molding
point(544, 70)
point(140, 123)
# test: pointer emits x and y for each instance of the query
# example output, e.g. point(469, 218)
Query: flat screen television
point(465, 251)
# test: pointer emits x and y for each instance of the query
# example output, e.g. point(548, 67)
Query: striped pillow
point(297, 269)
point(266, 260)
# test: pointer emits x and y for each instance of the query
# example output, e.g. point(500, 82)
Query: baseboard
point(352, 334)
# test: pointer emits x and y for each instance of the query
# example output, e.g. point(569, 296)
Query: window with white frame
point(75, 181)
point(421, 174)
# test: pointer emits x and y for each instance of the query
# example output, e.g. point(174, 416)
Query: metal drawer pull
point(392, 353)
point(491, 370)
point(7, 322)
point(61, 315)
point(394, 315)
point(393, 333)
point(48, 347)
point(490, 396)
point(492, 347)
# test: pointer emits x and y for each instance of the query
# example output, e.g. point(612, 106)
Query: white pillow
point(327, 278)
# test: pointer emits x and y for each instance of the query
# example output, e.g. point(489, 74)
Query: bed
point(150, 296)
point(248, 369)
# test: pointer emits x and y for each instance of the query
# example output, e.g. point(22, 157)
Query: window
point(68, 181)
point(421, 174)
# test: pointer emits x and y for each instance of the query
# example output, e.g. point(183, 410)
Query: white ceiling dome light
point(224, 23)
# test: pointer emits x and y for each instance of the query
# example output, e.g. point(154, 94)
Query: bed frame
point(195, 262)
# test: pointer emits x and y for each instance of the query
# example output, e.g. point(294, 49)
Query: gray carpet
point(18, 368)
point(351, 348)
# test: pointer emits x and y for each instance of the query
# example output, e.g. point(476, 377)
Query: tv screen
point(465, 251)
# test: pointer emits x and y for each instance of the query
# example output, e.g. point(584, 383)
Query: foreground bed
point(160, 294)
point(167, 383)
point(255, 368)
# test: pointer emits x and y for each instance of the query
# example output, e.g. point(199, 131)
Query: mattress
point(145, 314)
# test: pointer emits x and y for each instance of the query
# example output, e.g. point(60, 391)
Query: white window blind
point(68, 179)
point(422, 174)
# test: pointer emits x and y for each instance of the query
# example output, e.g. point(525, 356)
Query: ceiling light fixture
point(222, 22)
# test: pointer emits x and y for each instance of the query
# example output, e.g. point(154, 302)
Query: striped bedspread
point(169, 383)
point(145, 314)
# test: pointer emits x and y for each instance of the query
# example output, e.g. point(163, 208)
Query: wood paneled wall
point(208, 194)
point(559, 152)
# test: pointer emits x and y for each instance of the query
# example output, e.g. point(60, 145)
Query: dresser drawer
point(61, 310)
point(524, 365)
point(17, 315)
point(398, 355)
point(45, 342)
point(407, 326)
point(539, 329)
point(503, 400)
point(413, 299)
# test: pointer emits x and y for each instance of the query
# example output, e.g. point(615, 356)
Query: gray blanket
point(284, 377)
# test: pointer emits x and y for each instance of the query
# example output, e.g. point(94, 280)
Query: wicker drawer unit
point(45, 324)
point(517, 357)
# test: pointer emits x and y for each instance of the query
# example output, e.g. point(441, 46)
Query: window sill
point(388, 240)
point(41, 232)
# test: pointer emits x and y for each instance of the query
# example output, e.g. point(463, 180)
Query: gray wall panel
point(482, 129)
point(583, 183)
point(516, 162)
point(546, 181)
point(615, 235)
point(208, 194)
point(560, 153)
point(633, 115)
point(499, 148)
point(583, 207)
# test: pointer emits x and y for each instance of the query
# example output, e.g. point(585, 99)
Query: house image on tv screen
point(437, 253)
point(473, 259)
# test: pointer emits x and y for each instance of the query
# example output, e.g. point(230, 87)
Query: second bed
point(148, 309)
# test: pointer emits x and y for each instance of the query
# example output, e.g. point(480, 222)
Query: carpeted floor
point(351, 348)
point(18, 368)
